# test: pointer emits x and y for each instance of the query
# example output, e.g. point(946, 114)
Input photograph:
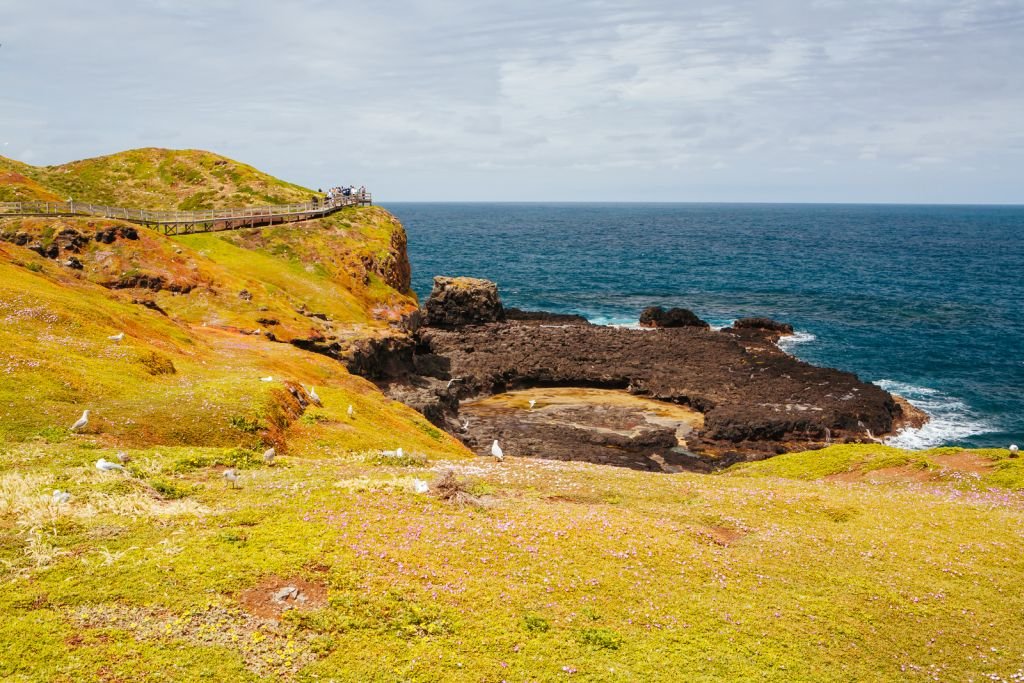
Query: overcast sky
point(667, 100)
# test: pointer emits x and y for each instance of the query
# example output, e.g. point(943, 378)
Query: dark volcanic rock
point(756, 395)
point(458, 301)
point(766, 324)
point(656, 316)
point(545, 317)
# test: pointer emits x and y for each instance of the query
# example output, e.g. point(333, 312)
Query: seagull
point(266, 379)
point(533, 402)
point(1013, 450)
point(465, 424)
point(107, 466)
point(82, 421)
point(123, 457)
point(116, 337)
point(452, 381)
point(257, 332)
point(496, 451)
point(60, 497)
point(231, 477)
point(269, 455)
point(315, 397)
point(351, 412)
point(420, 486)
point(397, 453)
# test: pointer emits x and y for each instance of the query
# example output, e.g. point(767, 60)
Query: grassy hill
point(149, 178)
point(851, 563)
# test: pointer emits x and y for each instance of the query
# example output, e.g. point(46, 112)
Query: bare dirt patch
point(720, 535)
point(271, 597)
point(964, 462)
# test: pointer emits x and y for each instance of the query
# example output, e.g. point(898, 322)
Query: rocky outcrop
point(656, 316)
point(460, 301)
point(764, 325)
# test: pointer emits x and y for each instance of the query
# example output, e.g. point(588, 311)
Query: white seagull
point(231, 477)
point(533, 402)
point(107, 466)
point(314, 397)
point(420, 486)
point(266, 379)
point(496, 451)
point(1013, 450)
point(116, 337)
point(269, 455)
point(60, 497)
point(351, 411)
point(82, 421)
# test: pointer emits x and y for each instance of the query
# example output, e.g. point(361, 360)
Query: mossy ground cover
point(562, 572)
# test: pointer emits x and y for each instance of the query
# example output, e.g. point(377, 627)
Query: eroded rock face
point(459, 301)
point(656, 316)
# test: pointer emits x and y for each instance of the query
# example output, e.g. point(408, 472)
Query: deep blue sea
point(926, 301)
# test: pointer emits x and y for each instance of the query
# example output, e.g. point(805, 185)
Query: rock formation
point(755, 399)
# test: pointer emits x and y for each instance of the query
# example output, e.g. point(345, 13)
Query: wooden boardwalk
point(187, 222)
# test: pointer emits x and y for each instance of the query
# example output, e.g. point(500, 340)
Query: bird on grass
point(60, 497)
point(269, 455)
point(351, 411)
point(104, 465)
point(496, 451)
point(420, 486)
point(314, 397)
point(116, 337)
point(397, 453)
point(123, 457)
point(533, 402)
point(1013, 450)
point(266, 379)
point(231, 478)
point(82, 422)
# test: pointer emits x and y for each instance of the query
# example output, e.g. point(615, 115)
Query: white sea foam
point(625, 323)
point(787, 342)
point(950, 418)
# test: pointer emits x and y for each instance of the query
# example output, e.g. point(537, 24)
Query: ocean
point(926, 301)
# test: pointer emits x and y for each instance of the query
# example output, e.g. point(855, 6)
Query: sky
point(915, 101)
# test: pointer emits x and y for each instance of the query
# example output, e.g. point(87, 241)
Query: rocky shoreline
point(755, 400)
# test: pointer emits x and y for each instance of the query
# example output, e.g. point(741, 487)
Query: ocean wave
point(950, 418)
point(613, 321)
point(787, 342)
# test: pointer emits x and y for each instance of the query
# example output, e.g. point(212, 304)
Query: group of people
point(336, 193)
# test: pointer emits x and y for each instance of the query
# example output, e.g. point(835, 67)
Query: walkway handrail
point(251, 214)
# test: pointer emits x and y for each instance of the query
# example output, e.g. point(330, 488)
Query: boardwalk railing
point(185, 222)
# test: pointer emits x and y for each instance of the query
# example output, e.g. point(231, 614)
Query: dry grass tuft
point(449, 488)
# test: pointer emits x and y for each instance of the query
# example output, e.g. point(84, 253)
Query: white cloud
point(535, 100)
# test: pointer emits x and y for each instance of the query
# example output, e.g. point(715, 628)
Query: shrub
point(157, 364)
point(535, 623)
point(601, 638)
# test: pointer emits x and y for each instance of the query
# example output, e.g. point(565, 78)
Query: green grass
point(149, 178)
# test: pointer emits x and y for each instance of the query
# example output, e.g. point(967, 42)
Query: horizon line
point(697, 202)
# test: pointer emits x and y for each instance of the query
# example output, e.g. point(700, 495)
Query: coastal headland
point(247, 500)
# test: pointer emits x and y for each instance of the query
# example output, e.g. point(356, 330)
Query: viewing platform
point(187, 222)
